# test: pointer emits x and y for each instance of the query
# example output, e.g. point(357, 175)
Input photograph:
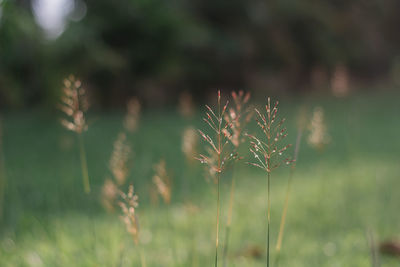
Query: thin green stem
point(283, 218)
point(229, 221)
point(142, 258)
point(268, 215)
point(85, 172)
point(217, 227)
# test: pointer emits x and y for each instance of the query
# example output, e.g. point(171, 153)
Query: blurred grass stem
point(85, 172)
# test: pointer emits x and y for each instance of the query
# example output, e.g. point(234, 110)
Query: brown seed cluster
point(74, 104)
point(268, 153)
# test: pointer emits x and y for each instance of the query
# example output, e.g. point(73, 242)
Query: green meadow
point(339, 195)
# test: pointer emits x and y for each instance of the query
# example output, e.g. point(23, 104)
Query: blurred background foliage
point(156, 49)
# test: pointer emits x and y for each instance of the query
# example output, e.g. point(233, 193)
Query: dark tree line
point(157, 48)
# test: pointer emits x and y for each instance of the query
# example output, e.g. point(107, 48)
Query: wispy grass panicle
point(119, 159)
point(162, 181)
point(319, 136)
point(239, 115)
point(129, 203)
point(131, 120)
point(219, 153)
point(189, 143)
point(119, 169)
point(268, 151)
point(74, 104)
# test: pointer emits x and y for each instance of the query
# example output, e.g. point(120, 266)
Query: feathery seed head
point(217, 152)
point(189, 143)
point(74, 104)
point(128, 205)
point(119, 159)
point(161, 180)
point(319, 136)
point(238, 117)
point(268, 153)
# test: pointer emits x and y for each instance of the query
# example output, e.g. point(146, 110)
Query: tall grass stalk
point(238, 117)
point(229, 221)
point(268, 153)
point(74, 104)
point(128, 205)
point(287, 195)
point(84, 168)
point(219, 155)
point(3, 181)
point(163, 186)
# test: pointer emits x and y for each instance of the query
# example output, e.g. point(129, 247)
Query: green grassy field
point(337, 195)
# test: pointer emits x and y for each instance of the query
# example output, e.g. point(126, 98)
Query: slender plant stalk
point(229, 221)
point(217, 227)
point(285, 207)
point(85, 172)
point(142, 257)
point(3, 180)
point(267, 153)
point(218, 156)
point(284, 212)
point(268, 215)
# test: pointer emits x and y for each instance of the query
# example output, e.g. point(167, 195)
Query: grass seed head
point(269, 150)
point(162, 182)
point(128, 205)
point(318, 137)
point(119, 159)
point(218, 151)
point(238, 117)
point(189, 143)
point(74, 104)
